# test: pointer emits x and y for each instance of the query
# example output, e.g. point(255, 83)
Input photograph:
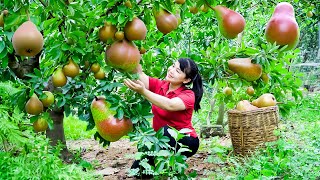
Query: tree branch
point(45, 5)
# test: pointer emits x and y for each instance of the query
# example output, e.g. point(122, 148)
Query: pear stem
point(209, 5)
point(28, 15)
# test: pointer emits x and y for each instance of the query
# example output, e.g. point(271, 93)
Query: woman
point(172, 101)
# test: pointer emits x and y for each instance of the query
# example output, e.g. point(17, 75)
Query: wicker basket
point(251, 129)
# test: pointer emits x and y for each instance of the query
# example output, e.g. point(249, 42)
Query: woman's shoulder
point(187, 91)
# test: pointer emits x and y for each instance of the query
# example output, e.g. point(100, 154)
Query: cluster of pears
point(281, 29)
point(35, 106)
point(59, 77)
point(123, 54)
point(98, 72)
point(265, 100)
point(109, 127)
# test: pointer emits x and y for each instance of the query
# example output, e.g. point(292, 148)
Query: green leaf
point(267, 172)
point(120, 113)
point(121, 18)
point(185, 130)
point(2, 45)
point(165, 153)
point(173, 133)
point(65, 47)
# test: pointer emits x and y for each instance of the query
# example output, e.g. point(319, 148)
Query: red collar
point(165, 87)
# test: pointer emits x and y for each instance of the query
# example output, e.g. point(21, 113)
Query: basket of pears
point(252, 124)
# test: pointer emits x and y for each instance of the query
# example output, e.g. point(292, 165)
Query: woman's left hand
point(137, 85)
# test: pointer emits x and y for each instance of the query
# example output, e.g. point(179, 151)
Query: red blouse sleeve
point(154, 84)
point(187, 96)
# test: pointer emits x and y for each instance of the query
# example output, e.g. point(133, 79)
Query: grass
point(76, 129)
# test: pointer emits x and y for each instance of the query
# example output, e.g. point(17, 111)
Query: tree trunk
point(221, 114)
point(56, 134)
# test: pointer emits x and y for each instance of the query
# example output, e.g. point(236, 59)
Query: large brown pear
point(283, 28)
point(245, 69)
point(109, 127)
point(34, 106)
point(165, 21)
point(135, 30)
point(71, 69)
point(230, 23)
point(58, 78)
point(27, 40)
point(123, 55)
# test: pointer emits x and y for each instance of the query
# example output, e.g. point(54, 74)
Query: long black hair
point(190, 68)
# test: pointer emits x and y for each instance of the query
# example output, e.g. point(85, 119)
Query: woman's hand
point(137, 85)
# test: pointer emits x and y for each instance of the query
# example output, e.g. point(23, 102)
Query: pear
point(1, 19)
point(48, 100)
point(107, 32)
point(245, 105)
point(135, 30)
point(109, 127)
point(119, 35)
point(250, 91)
point(265, 78)
point(100, 74)
point(95, 67)
point(27, 40)
point(34, 106)
point(265, 100)
point(230, 22)
point(283, 28)
point(40, 125)
point(71, 69)
point(245, 69)
point(123, 56)
point(165, 21)
point(227, 91)
point(58, 78)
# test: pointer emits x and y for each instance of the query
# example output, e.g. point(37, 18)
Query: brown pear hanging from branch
point(27, 40)
point(230, 23)
point(245, 69)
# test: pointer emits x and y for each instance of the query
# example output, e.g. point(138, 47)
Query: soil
point(113, 162)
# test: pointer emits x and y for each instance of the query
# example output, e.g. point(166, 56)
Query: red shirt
point(177, 119)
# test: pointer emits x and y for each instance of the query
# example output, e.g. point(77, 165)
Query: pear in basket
point(265, 100)
point(245, 105)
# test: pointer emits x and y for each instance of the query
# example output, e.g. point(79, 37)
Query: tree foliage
point(70, 30)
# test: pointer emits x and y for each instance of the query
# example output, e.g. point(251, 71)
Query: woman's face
point(175, 75)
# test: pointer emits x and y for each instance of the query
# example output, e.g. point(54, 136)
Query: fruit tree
point(64, 54)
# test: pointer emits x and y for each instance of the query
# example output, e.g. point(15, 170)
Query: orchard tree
point(89, 47)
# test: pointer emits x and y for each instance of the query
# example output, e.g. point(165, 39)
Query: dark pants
point(192, 143)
